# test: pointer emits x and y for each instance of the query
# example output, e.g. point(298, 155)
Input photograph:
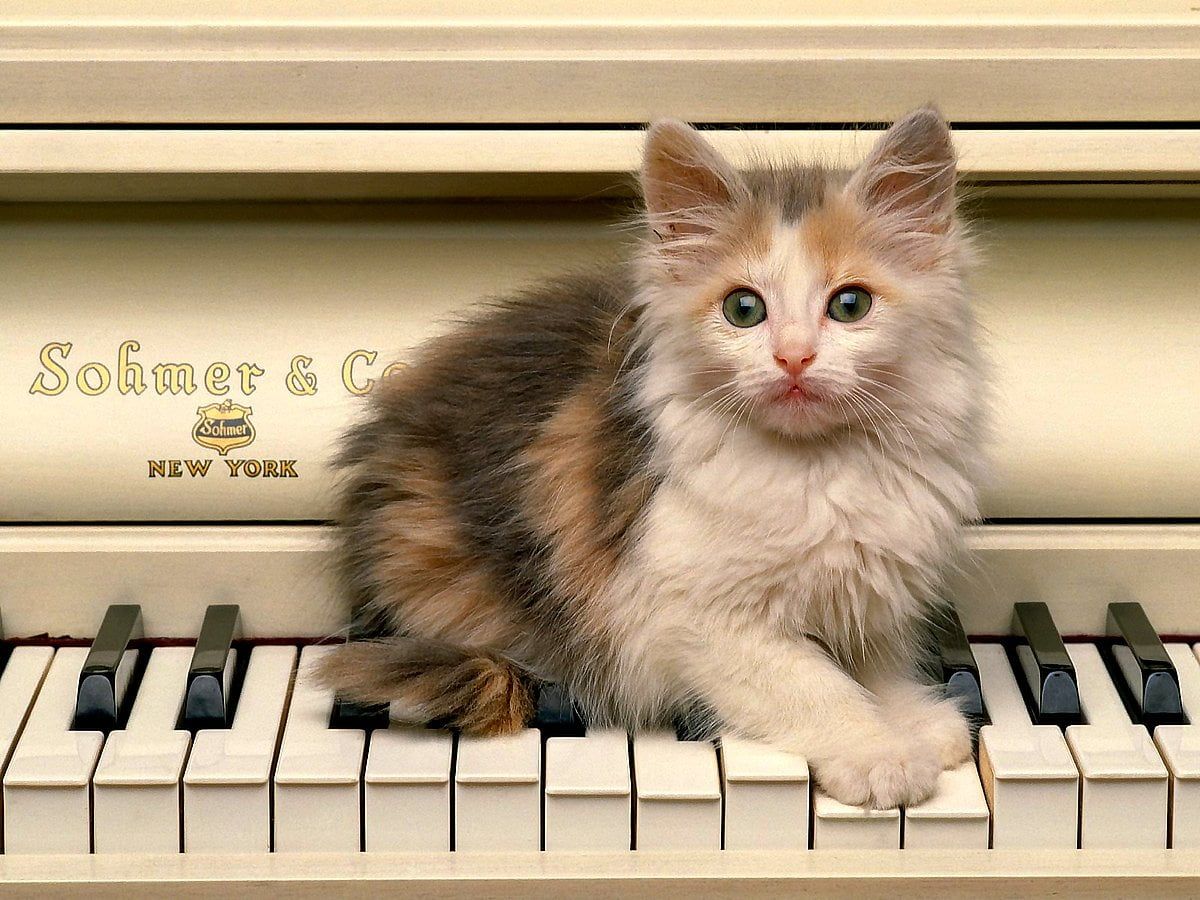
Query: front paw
point(940, 724)
point(882, 774)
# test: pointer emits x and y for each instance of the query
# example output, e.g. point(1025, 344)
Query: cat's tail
point(429, 681)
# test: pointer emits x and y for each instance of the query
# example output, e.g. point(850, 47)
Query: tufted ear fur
point(686, 183)
point(910, 174)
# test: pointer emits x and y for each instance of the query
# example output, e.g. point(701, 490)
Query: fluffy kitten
point(731, 472)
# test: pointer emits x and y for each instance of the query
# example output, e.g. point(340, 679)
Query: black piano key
point(206, 703)
point(1146, 668)
point(360, 716)
point(96, 702)
point(697, 722)
point(351, 713)
point(958, 670)
point(5, 646)
point(1047, 669)
point(557, 714)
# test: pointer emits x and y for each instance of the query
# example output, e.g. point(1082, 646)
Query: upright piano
point(222, 225)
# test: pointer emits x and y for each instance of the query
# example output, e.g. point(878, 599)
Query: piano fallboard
point(213, 382)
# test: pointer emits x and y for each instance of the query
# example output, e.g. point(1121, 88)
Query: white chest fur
point(835, 539)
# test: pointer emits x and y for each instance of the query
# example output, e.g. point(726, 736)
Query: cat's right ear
point(685, 182)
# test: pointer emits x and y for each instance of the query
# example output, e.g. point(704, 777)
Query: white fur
point(781, 572)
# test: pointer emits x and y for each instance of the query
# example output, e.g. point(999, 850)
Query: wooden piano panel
point(1086, 307)
point(58, 579)
point(577, 61)
point(903, 875)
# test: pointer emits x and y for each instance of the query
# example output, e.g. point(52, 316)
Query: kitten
point(731, 472)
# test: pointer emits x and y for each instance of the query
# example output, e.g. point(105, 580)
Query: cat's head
point(802, 298)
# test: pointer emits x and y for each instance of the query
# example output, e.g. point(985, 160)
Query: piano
point(218, 231)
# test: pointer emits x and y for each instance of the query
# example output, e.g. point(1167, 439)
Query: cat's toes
point(940, 724)
point(895, 773)
point(946, 728)
point(950, 733)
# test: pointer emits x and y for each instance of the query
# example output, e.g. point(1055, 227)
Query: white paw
point(938, 723)
point(883, 775)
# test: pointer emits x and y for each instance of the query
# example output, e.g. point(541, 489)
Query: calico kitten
point(732, 471)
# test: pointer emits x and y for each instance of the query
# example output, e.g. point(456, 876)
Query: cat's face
point(799, 300)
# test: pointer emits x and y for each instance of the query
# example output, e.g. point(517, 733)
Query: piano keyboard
point(227, 747)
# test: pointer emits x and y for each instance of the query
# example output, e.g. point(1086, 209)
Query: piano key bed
point(231, 748)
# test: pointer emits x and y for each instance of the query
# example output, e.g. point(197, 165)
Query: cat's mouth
point(795, 393)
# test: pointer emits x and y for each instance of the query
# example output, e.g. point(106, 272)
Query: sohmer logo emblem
point(223, 427)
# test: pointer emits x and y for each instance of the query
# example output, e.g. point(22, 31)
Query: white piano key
point(1180, 749)
point(47, 788)
point(135, 789)
point(678, 793)
point(406, 793)
point(1124, 794)
point(1029, 776)
point(837, 826)
point(498, 792)
point(954, 818)
point(317, 776)
point(19, 683)
point(227, 783)
point(22, 677)
point(588, 792)
point(766, 797)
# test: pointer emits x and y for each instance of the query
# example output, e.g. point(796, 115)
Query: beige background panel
point(1085, 308)
point(60, 579)
point(1088, 316)
point(136, 61)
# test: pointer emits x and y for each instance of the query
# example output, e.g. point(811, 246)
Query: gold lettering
point(84, 383)
point(158, 468)
point(197, 466)
point(253, 468)
point(215, 377)
point(249, 371)
point(234, 465)
point(129, 374)
point(348, 371)
point(300, 381)
point(175, 378)
point(270, 468)
point(394, 369)
point(46, 358)
point(175, 470)
point(287, 468)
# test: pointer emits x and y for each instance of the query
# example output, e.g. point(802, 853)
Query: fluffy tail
point(432, 682)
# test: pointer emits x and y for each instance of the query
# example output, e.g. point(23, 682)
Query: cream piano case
point(222, 223)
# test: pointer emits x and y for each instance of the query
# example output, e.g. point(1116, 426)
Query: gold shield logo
point(223, 427)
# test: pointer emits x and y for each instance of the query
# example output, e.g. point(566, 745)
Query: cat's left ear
point(911, 172)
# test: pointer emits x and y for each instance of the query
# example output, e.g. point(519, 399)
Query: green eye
point(744, 308)
point(849, 305)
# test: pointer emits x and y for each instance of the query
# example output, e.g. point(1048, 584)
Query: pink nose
point(795, 363)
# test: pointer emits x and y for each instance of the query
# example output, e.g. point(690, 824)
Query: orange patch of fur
point(481, 693)
point(748, 235)
point(565, 501)
point(424, 560)
point(837, 236)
